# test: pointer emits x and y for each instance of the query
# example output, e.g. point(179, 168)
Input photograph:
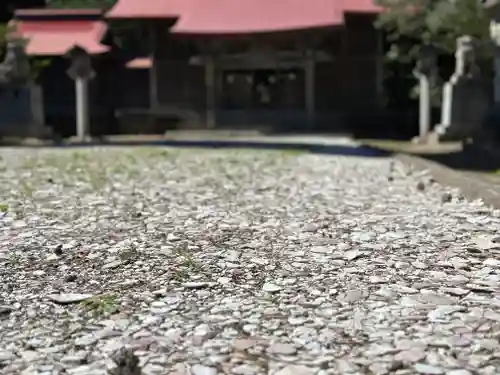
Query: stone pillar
point(424, 72)
point(81, 72)
point(82, 108)
point(424, 107)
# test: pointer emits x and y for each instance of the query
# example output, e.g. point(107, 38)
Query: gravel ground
point(168, 261)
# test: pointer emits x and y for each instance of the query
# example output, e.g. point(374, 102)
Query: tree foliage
point(81, 4)
point(410, 24)
point(3, 38)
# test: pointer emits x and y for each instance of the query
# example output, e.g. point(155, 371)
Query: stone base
point(430, 139)
point(77, 140)
point(446, 133)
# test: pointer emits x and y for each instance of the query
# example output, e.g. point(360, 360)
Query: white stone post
point(82, 108)
point(425, 71)
point(81, 72)
point(424, 111)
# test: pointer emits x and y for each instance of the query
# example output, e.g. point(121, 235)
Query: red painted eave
point(212, 17)
point(57, 36)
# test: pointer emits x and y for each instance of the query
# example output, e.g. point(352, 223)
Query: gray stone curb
point(472, 186)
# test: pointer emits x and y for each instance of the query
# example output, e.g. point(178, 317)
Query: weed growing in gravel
point(13, 259)
point(97, 178)
point(105, 304)
point(181, 275)
point(128, 253)
point(17, 212)
point(27, 189)
point(4, 208)
point(120, 169)
point(188, 264)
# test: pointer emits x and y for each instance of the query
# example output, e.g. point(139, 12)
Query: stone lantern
point(15, 69)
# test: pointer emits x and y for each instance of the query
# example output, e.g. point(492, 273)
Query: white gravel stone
point(423, 368)
point(67, 298)
point(246, 262)
point(459, 372)
point(296, 370)
point(203, 370)
point(271, 288)
point(282, 348)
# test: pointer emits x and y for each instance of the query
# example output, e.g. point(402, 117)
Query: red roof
point(133, 9)
point(361, 6)
point(243, 16)
point(56, 32)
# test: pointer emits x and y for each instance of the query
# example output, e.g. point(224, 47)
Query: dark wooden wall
point(345, 85)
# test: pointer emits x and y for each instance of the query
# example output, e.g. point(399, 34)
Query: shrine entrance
point(263, 89)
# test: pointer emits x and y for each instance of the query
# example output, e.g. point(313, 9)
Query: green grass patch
point(103, 305)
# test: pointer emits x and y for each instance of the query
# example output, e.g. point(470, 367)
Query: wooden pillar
point(310, 88)
point(153, 71)
point(37, 109)
point(344, 68)
point(210, 91)
point(496, 80)
point(379, 68)
point(424, 107)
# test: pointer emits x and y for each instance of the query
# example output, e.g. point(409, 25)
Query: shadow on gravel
point(466, 160)
point(452, 155)
point(329, 149)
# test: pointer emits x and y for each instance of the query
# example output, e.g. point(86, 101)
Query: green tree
point(410, 24)
point(81, 4)
point(3, 39)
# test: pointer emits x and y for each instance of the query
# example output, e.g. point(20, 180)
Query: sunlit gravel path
point(187, 261)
